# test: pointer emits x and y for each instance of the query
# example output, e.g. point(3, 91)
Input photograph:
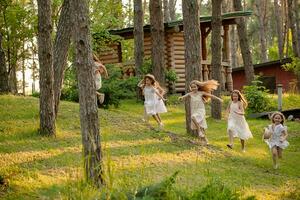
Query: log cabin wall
point(112, 55)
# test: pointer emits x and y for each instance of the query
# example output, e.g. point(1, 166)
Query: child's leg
point(200, 134)
point(279, 152)
point(156, 119)
point(230, 137)
point(274, 155)
point(243, 144)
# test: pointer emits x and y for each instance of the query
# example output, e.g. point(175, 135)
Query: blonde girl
point(237, 124)
point(200, 94)
point(153, 94)
point(278, 135)
point(99, 69)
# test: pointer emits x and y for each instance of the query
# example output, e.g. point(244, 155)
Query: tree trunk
point(61, 47)
point(233, 47)
point(166, 11)
point(47, 116)
point(172, 9)
point(246, 54)
point(261, 9)
point(278, 19)
point(23, 75)
point(297, 8)
point(193, 69)
point(216, 59)
point(138, 39)
point(3, 70)
point(12, 78)
point(89, 121)
point(158, 40)
point(292, 25)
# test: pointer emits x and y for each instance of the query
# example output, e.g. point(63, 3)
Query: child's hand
point(180, 98)
point(282, 138)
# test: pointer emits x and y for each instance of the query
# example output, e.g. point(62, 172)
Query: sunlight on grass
point(134, 156)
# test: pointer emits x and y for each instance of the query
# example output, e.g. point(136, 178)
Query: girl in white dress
point(153, 94)
point(237, 124)
point(278, 134)
point(200, 93)
point(99, 69)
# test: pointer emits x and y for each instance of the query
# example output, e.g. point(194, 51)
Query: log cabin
point(174, 48)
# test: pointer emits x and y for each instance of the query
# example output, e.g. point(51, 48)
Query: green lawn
point(38, 167)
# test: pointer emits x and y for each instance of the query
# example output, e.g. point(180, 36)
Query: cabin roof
point(227, 18)
point(266, 64)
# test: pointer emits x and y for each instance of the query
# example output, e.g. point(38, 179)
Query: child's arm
point(184, 96)
point(284, 135)
point(241, 108)
point(228, 108)
point(212, 96)
point(160, 95)
point(140, 84)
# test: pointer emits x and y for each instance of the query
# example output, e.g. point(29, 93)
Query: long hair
point(241, 98)
point(95, 58)
point(206, 86)
point(280, 114)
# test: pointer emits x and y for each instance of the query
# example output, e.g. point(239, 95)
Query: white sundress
point(198, 110)
point(97, 76)
point(237, 124)
point(275, 138)
point(153, 105)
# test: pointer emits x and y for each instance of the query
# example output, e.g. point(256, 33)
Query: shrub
point(36, 94)
point(115, 88)
point(257, 97)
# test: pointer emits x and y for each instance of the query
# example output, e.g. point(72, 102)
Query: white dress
point(97, 76)
point(198, 110)
point(275, 138)
point(237, 124)
point(153, 105)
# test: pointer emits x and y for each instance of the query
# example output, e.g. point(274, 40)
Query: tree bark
point(23, 75)
point(172, 9)
point(166, 11)
point(3, 70)
point(292, 25)
point(61, 47)
point(261, 12)
point(193, 69)
point(47, 116)
point(216, 59)
point(278, 19)
point(244, 44)
point(138, 39)
point(158, 40)
point(89, 121)
point(233, 47)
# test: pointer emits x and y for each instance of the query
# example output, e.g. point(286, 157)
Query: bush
point(70, 94)
point(257, 97)
point(36, 94)
point(115, 88)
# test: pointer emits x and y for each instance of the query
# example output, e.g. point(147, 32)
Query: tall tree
point(279, 31)
point(166, 10)
point(89, 121)
point(216, 59)
point(193, 69)
point(246, 54)
point(138, 35)
point(47, 115)
point(292, 25)
point(158, 40)
point(61, 47)
point(172, 9)
point(3, 70)
point(261, 12)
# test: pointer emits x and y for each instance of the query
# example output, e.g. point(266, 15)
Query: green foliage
point(160, 191)
point(294, 66)
point(215, 190)
point(115, 88)
point(173, 99)
point(70, 91)
point(146, 68)
point(171, 75)
point(36, 94)
point(257, 97)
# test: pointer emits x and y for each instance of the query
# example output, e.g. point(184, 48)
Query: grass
point(36, 167)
